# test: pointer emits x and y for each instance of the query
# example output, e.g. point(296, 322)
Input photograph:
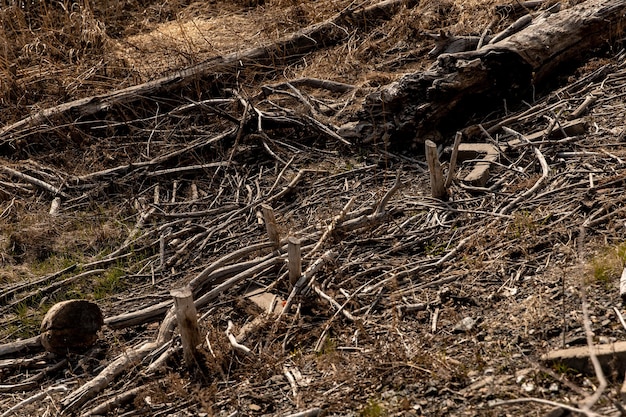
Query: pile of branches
point(219, 187)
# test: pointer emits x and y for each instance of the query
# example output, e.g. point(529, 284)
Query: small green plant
point(560, 368)
point(522, 224)
point(328, 347)
point(110, 283)
point(372, 409)
point(609, 263)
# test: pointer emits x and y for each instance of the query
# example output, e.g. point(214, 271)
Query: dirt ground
point(414, 305)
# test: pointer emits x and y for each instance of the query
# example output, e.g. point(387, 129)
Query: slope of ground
point(419, 306)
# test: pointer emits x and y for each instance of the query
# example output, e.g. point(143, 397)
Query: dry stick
point(312, 412)
point(303, 282)
point(125, 169)
point(35, 398)
point(545, 171)
point(422, 267)
point(590, 401)
point(114, 402)
point(292, 184)
point(333, 225)
point(52, 287)
point(547, 402)
point(380, 208)
point(233, 340)
point(35, 181)
point(156, 311)
point(333, 302)
point(590, 222)
point(453, 159)
point(187, 169)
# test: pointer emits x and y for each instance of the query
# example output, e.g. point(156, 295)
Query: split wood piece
point(187, 319)
point(437, 183)
point(337, 29)
point(55, 206)
point(612, 358)
point(417, 105)
point(487, 152)
point(567, 129)
point(294, 259)
point(270, 225)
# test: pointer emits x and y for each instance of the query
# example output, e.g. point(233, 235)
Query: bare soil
point(421, 306)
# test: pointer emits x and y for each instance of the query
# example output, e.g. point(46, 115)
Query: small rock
point(464, 325)
point(71, 325)
point(254, 407)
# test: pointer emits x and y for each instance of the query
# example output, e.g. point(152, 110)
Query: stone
point(71, 326)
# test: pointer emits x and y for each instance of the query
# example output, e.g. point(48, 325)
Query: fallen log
point(284, 51)
point(417, 106)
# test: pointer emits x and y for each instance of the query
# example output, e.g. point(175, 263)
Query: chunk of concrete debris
point(71, 326)
point(612, 357)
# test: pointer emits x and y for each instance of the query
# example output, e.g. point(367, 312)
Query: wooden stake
point(437, 185)
point(270, 224)
point(295, 260)
point(187, 319)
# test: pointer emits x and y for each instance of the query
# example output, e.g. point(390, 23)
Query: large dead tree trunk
point(414, 108)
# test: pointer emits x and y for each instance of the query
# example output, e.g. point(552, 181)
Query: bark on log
point(273, 56)
point(414, 108)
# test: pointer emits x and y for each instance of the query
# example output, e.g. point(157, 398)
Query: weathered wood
point(457, 85)
point(294, 257)
point(437, 185)
point(31, 344)
point(270, 224)
point(187, 318)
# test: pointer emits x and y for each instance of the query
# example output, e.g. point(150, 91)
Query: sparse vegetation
point(166, 189)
